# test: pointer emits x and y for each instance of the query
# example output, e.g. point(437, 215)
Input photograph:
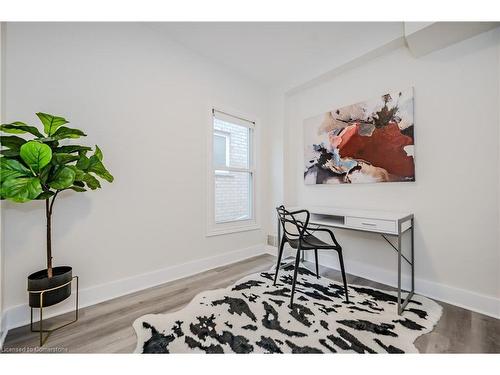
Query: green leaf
point(18, 127)
point(62, 158)
point(13, 128)
point(21, 189)
point(9, 153)
point(11, 168)
point(91, 181)
point(63, 132)
point(83, 163)
point(62, 179)
point(50, 122)
point(100, 170)
point(45, 195)
point(79, 174)
point(45, 139)
point(12, 141)
point(45, 173)
point(72, 148)
point(98, 153)
point(78, 183)
point(36, 155)
point(77, 188)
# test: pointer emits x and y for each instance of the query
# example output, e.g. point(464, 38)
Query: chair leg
point(317, 263)
point(342, 269)
point(280, 254)
point(295, 271)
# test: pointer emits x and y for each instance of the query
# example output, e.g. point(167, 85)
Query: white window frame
point(213, 228)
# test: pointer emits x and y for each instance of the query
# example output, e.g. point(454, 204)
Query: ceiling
point(281, 54)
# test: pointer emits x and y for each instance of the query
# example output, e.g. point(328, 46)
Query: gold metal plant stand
point(49, 331)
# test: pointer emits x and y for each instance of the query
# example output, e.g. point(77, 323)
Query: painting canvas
point(371, 141)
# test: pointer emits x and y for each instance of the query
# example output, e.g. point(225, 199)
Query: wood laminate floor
point(107, 327)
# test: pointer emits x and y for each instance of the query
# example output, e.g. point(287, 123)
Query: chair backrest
point(294, 227)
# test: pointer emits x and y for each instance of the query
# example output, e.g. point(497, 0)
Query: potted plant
point(40, 169)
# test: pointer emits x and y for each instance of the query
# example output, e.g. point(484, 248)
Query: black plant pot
point(40, 281)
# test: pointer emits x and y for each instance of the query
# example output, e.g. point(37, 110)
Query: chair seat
point(311, 242)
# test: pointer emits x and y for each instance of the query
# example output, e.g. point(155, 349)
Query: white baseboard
point(19, 315)
point(466, 299)
point(272, 250)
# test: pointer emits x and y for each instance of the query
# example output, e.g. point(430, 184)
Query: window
point(232, 174)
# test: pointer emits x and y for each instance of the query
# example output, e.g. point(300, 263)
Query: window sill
point(221, 229)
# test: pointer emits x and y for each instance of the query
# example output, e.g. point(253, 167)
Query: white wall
point(456, 194)
point(145, 101)
point(275, 157)
point(498, 215)
point(413, 27)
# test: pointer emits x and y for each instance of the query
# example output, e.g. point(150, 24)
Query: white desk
point(394, 224)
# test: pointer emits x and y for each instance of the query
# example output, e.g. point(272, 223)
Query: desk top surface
point(343, 211)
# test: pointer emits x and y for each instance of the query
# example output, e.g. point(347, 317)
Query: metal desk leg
point(403, 303)
point(412, 259)
point(400, 310)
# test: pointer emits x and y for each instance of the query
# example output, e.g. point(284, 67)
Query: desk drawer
point(377, 225)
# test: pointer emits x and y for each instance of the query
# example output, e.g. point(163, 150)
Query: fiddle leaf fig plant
point(40, 168)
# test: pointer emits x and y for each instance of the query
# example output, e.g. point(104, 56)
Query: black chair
point(300, 238)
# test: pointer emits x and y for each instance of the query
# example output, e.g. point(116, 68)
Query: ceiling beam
point(423, 38)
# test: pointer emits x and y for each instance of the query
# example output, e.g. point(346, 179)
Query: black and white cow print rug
point(253, 316)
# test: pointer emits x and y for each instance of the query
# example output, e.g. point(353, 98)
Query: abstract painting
point(371, 141)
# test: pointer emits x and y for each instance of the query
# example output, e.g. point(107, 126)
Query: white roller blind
point(232, 119)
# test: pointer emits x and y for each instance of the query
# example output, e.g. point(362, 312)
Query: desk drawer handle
point(370, 224)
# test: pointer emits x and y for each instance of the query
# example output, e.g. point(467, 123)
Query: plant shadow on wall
point(40, 169)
